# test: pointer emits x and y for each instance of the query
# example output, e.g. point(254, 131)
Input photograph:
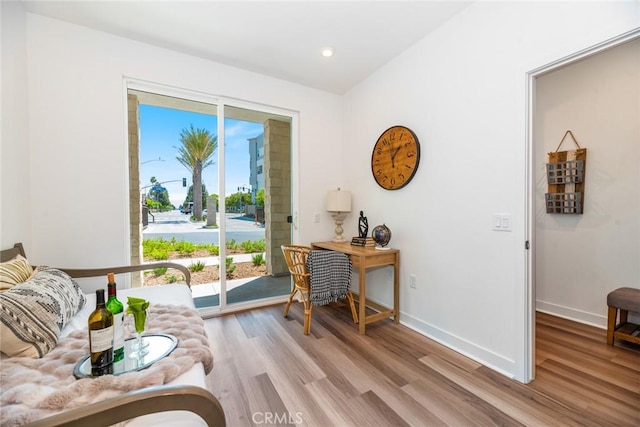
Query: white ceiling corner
point(282, 39)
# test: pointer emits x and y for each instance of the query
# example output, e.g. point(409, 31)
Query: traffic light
point(184, 182)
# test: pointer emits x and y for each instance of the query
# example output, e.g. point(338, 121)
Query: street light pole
point(159, 159)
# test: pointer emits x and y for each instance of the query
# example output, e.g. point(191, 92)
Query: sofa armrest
point(141, 402)
point(95, 272)
point(18, 249)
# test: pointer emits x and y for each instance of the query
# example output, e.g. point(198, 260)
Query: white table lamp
point(339, 204)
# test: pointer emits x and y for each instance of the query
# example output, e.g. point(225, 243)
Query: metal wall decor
point(565, 179)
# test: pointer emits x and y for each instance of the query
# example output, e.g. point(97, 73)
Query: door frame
point(530, 207)
point(221, 102)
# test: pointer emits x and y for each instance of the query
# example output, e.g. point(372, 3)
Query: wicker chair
point(296, 258)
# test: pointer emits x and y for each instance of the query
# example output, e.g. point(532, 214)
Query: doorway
point(576, 259)
point(248, 181)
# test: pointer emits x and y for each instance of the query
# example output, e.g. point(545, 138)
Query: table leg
point(396, 290)
point(362, 298)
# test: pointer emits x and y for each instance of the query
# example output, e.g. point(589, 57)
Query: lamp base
point(338, 217)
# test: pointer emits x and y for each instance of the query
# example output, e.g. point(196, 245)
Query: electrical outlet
point(413, 281)
point(316, 218)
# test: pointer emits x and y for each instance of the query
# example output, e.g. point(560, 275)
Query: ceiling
point(282, 39)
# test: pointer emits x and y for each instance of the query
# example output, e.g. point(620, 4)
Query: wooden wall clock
point(395, 157)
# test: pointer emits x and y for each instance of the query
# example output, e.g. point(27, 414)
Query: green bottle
point(117, 309)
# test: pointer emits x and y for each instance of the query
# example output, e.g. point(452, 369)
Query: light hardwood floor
point(268, 373)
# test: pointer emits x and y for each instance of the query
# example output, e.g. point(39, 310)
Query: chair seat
point(625, 299)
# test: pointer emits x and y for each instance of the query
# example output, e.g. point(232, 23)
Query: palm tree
point(198, 146)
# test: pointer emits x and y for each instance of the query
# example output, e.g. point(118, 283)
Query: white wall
point(78, 136)
point(581, 258)
point(14, 149)
point(462, 90)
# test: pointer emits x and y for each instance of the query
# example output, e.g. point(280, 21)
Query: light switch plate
point(502, 222)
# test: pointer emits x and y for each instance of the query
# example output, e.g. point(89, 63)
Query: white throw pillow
point(33, 313)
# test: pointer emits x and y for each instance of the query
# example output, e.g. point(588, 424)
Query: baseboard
point(574, 314)
point(501, 364)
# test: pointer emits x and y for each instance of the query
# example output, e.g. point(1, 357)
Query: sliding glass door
point(211, 189)
point(257, 159)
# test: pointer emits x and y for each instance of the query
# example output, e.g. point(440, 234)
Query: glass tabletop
point(159, 346)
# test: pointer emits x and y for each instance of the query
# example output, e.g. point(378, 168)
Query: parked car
point(187, 209)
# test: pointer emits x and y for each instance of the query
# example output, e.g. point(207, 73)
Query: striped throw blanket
point(330, 276)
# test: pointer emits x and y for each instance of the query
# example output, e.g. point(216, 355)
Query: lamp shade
point(339, 201)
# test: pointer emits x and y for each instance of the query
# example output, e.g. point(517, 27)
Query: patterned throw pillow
point(15, 271)
point(33, 313)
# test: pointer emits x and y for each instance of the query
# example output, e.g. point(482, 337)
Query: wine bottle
point(117, 309)
point(101, 337)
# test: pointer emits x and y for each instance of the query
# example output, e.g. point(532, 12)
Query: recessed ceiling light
point(327, 52)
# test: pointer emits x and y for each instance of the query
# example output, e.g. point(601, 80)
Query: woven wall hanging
point(565, 179)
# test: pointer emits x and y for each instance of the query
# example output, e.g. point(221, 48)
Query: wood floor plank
point(293, 393)
point(266, 404)
point(596, 366)
point(567, 338)
point(629, 358)
point(340, 369)
point(237, 346)
point(226, 385)
point(336, 404)
point(372, 351)
point(582, 330)
point(353, 374)
point(250, 324)
point(265, 366)
point(562, 409)
point(585, 396)
point(606, 390)
point(526, 411)
point(290, 374)
point(288, 347)
point(453, 405)
point(378, 413)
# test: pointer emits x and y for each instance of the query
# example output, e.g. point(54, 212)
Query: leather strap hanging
point(575, 141)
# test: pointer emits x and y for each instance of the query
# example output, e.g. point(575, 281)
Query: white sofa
point(182, 401)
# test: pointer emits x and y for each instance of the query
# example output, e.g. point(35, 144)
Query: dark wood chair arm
point(141, 402)
point(95, 272)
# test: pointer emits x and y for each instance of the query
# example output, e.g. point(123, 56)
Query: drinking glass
point(137, 323)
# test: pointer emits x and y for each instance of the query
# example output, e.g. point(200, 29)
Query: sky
point(160, 130)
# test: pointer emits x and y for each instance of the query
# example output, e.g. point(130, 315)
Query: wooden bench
point(625, 300)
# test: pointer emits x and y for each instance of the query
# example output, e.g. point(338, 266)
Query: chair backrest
point(296, 259)
point(9, 254)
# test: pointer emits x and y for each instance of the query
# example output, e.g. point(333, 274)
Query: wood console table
point(363, 258)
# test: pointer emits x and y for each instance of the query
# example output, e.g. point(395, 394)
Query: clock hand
point(393, 156)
